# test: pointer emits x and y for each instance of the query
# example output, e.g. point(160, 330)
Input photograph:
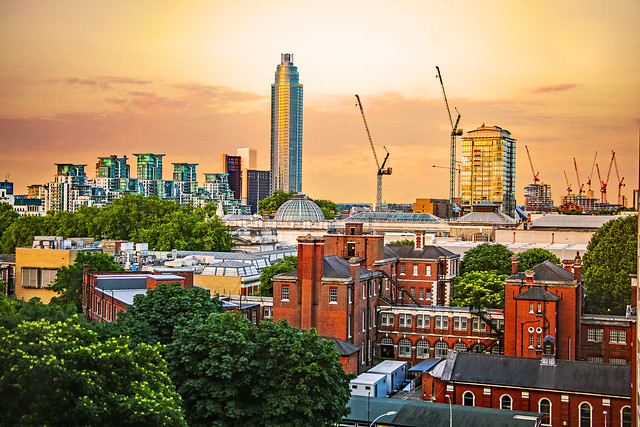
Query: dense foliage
point(403, 242)
point(486, 257)
point(229, 372)
point(164, 224)
point(68, 283)
point(7, 216)
point(284, 265)
point(62, 374)
point(532, 257)
point(610, 258)
point(273, 202)
point(480, 289)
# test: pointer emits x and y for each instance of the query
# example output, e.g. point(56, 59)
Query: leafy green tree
point(7, 216)
point(62, 374)
point(229, 372)
point(68, 283)
point(273, 202)
point(283, 265)
point(479, 288)
point(8, 306)
point(153, 316)
point(33, 310)
point(485, 257)
point(532, 257)
point(20, 233)
point(403, 242)
point(328, 208)
point(611, 256)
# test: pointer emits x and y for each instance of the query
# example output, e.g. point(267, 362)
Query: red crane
point(589, 192)
point(535, 174)
point(568, 184)
point(580, 186)
point(620, 180)
point(603, 184)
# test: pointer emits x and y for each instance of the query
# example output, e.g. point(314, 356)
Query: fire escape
point(497, 334)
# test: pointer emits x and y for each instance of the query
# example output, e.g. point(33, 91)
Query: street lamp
point(605, 418)
point(450, 411)
point(383, 415)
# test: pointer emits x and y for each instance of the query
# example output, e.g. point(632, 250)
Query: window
point(412, 291)
point(350, 295)
point(422, 349)
point(363, 321)
point(427, 294)
point(349, 326)
point(48, 277)
point(268, 312)
point(98, 306)
point(362, 353)
point(618, 336)
point(505, 402)
point(254, 317)
point(596, 359)
point(460, 323)
point(468, 398)
point(333, 295)
point(478, 324)
point(427, 270)
point(415, 270)
point(617, 361)
point(364, 291)
point(478, 348)
point(423, 321)
point(386, 319)
point(402, 268)
point(441, 349)
point(460, 347)
point(544, 407)
point(531, 308)
point(285, 293)
point(386, 284)
point(585, 414)
point(404, 348)
point(530, 340)
point(373, 318)
point(442, 322)
point(539, 308)
point(404, 320)
point(351, 249)
point(538, 342)
point(625, 416)
point(29, 277)
point(595, 334)
point(421, 293)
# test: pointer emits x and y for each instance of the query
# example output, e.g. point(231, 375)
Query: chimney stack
point(529, 276)
point(419, 242)
point(577, 267)
point(514, 264)
point(310, 265)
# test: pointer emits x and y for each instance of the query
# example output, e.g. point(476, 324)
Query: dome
point(299, 208)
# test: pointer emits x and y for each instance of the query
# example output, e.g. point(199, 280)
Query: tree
point(7, 216)
point(479, 288)
point(273, 202)
point(611, 256)
point(68, 283)
point(328, 208)
point(34, 309)
point(21, 231)
point(532, 257)
point(403, 242)
point(61, 374)
point(152, 317)
point(283, 265)
point(229, 372)
point(485, 257)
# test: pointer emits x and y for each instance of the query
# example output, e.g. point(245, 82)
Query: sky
point(192, 80)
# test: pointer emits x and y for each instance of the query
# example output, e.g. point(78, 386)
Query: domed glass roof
point(299, 208)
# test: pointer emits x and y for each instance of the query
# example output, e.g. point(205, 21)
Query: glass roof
point(299, 208)
point(394, 217)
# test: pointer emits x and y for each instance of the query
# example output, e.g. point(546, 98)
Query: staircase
point(400, 290)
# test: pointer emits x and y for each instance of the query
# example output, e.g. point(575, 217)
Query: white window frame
point(502, 406)
point(423, 321)
point(427, 271)
point(284, 293)
point(478, 324)
point(440, 351)
point(550, 410)
point(404, 347)
point(580, 414)
point(268, 312)
point(441, 322)
point(403, 269)
point(464, 398)
point(32, 274)
point(595, 334)
point(459, 323)
point(333, 295)
point(621, 414)
point(422, 349)
point(415, 269)
point(363, 320)
point(404, 320)
point(617, 336)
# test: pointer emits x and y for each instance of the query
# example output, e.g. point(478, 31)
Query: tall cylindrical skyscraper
point(286, 127)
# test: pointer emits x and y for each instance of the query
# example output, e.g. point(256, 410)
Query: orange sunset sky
point(82, 79)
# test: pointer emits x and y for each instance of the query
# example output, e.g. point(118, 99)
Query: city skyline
point(192, 81)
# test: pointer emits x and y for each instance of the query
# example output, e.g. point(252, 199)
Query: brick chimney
point(514, 264)
point(310, 266)
point(577, 267)
point(354, 268)
point(419, 242)
point(528, 276)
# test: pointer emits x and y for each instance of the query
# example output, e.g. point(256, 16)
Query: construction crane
point(568, 183)
point(590, 192)
point(454, 132)
point(535, 174)
point(580, 186)
point(381, 169)
point(458, 169)
point(620, 181)
point(603, 184)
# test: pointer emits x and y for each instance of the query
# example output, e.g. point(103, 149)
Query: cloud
point(554, 88)
point(103, 82)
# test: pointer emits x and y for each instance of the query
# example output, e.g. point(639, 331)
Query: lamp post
point(450, 411)
point(605, 418)
point(383, 415)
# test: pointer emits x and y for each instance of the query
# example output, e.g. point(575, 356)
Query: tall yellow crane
point(381, 169)
point(454, 132)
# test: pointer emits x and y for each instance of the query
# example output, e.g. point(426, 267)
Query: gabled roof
point(537, 294)
point(427, 252)
point(334, 268)
point(344, 348)
point(546, 272)
point(527, 372)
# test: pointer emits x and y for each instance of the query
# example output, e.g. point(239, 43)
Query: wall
point(40, 258)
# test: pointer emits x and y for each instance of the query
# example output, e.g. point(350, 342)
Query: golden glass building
point(488, 169)
point(286, 127)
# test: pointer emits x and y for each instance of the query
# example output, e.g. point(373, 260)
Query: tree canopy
point(479, 288)
point(273, 202)
point(62, 374)
point(611, 256)
point(328, 208)
point(283, 265)
point(485, 257)
point(532, 257)
point(7, 216)
point(403, 242)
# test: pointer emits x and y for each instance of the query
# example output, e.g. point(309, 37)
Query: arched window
point(585, 414)
point(625, 416)
point(477, 348)
point(386, 348)
point(497, 348)
point(506, 402)
point(442, 349)
point(422, 349)
point(404, 348)
point(544, 407)
point(468, 399)
point(460, 346)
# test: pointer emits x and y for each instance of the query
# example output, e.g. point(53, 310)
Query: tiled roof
point(344, 348)
point(538, 294)
point(427, 252)
point(546, 272)
point(334, 268)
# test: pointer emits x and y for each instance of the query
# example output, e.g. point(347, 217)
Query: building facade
point(232, 166)
point(286, 127)
point(488, 168)
point(537, 198)
point(258, 184)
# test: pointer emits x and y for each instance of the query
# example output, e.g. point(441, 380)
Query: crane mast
point(535, 174)
point(568, 184)
point(454, 132)
point(620, 180)
point(580, 186)
point(381, 170)
point(590, 192)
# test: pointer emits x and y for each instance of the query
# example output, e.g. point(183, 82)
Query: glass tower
point(488, 170)
point(286, 127)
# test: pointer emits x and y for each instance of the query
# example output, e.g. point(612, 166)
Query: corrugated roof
point(393, 217)
point(425, 365)
point(547, 272)
point(486, 218)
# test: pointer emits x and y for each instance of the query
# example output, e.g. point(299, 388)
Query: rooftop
point(393, 217)
point(546, 272)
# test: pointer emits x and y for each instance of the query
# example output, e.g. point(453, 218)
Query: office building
point(489, 168)
point(232, 166)
point(258, 183)
point(249, 158)
point(286, 128)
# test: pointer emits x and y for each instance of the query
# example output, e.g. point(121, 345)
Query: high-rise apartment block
point(488, 168)
point(149, 166)
point(232, 166)
point(69, 189)
point(286, 127)
point(537, 198)
point(258, 184)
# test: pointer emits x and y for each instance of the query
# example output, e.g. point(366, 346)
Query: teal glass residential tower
point(286, 127)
